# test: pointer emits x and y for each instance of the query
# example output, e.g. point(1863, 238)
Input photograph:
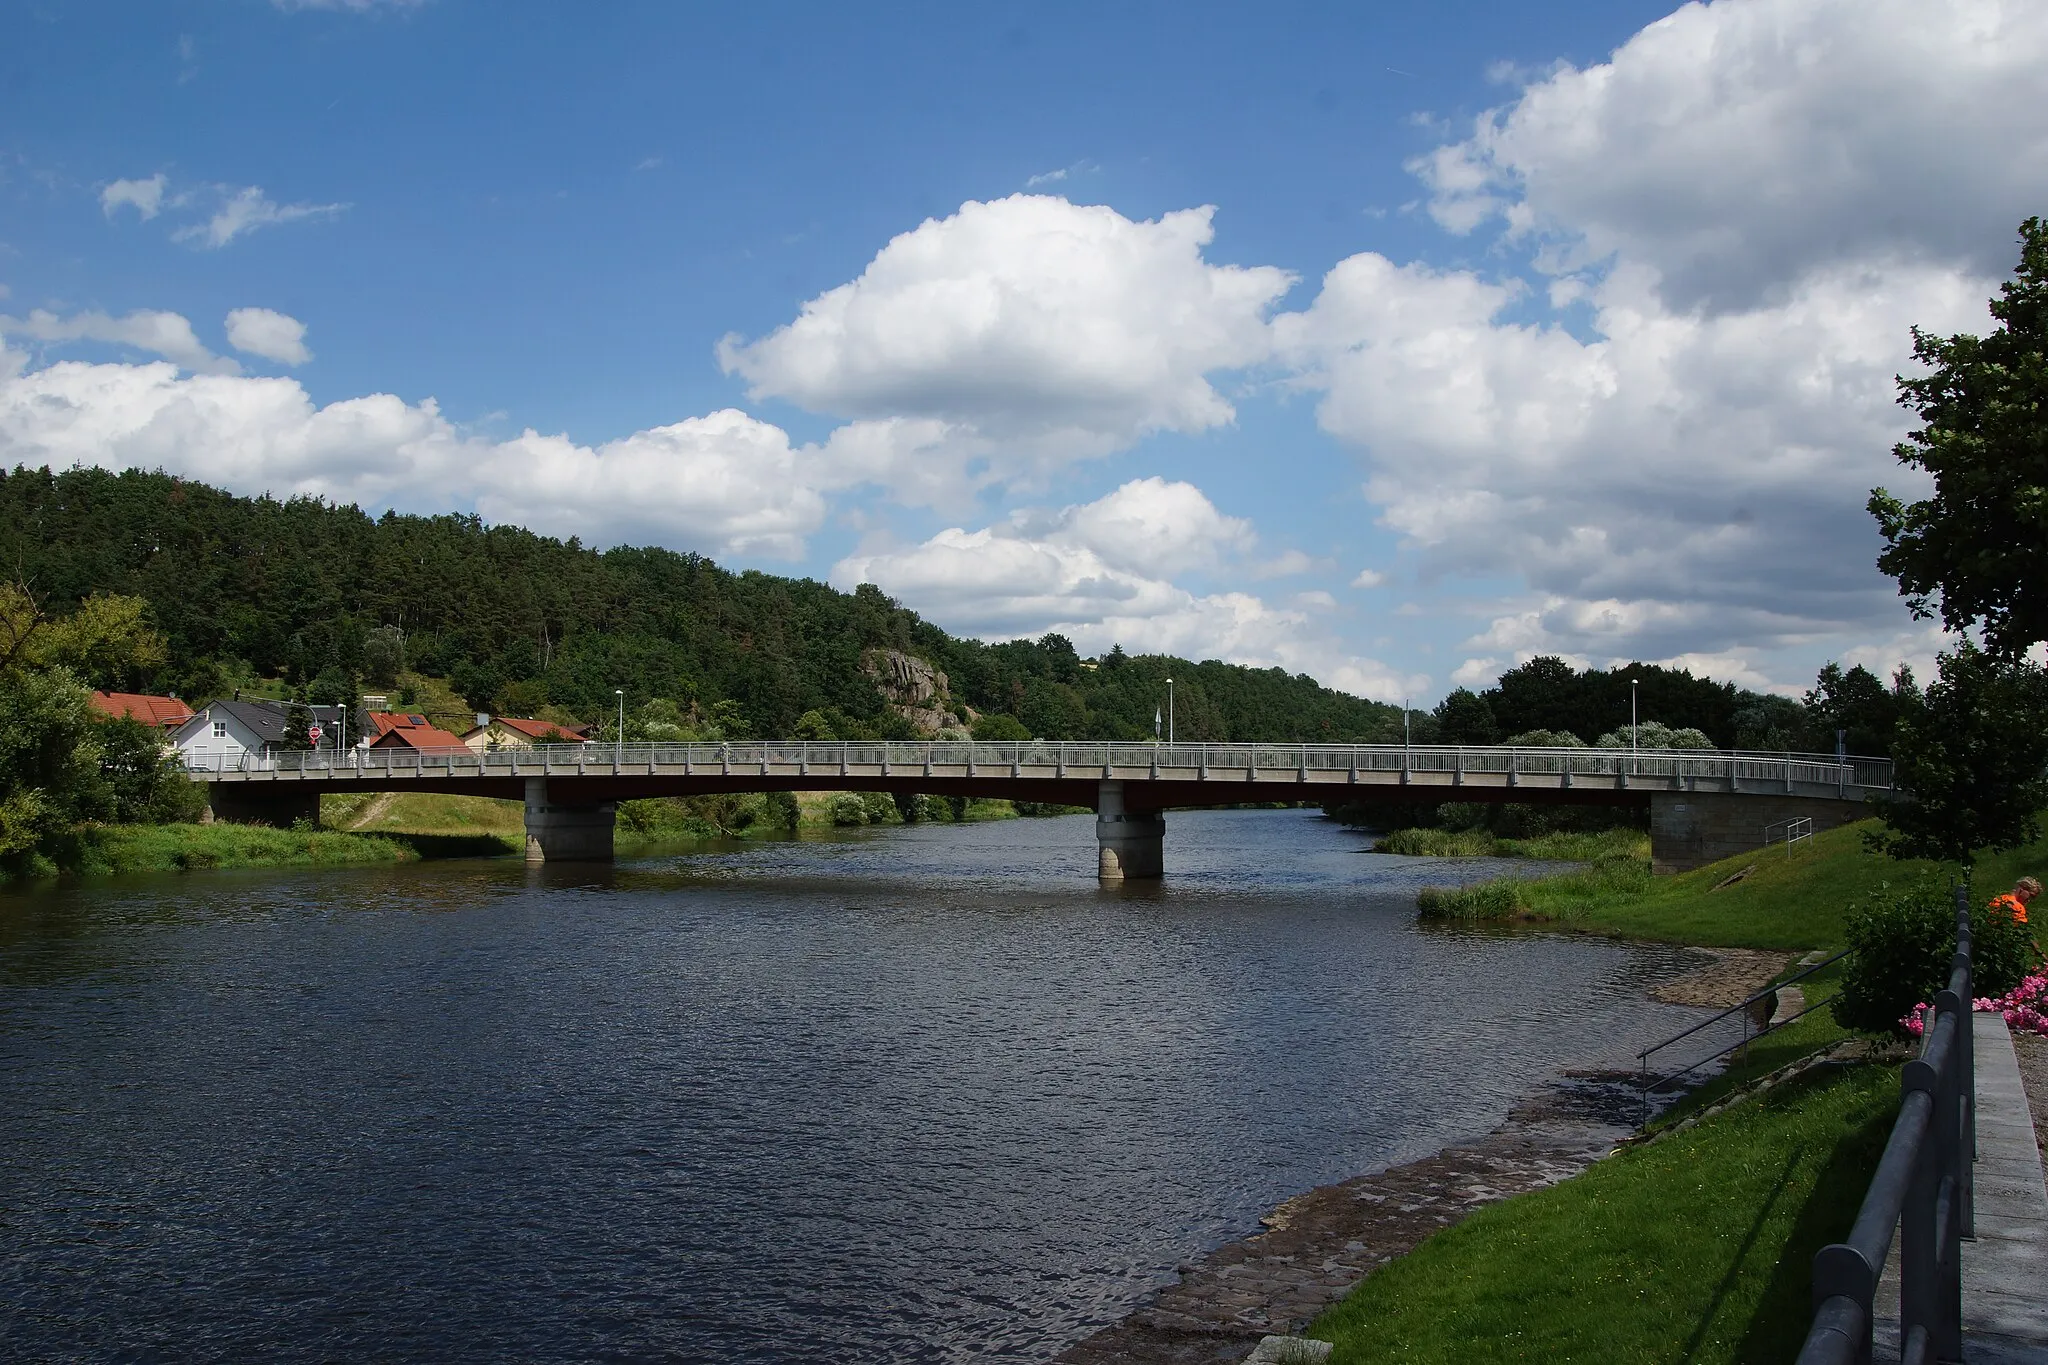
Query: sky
point(1394, 345)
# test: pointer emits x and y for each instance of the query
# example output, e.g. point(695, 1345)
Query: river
point(921, 1094)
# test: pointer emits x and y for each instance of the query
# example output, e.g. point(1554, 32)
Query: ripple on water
point(925, 1094)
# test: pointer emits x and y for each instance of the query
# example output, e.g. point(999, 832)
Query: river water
point(924, 1094)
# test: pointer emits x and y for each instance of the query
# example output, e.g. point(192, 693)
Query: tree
point(1465, 717)
point(1857, 702)
point(145, 781)
point(384, 655)
point(298, 728)
point(1972, 550)
point(1971, 753)
point(1653, 734)
point(1000, 728)
point(50, 776)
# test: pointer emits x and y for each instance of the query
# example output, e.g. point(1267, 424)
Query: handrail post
point(1961, 976)
point(1839, 1271)
point(1921, 1301)
point(1948, 1168)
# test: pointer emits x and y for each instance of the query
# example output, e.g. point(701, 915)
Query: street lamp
point(1634, 731)
point(620, 740)
point(1169, 710)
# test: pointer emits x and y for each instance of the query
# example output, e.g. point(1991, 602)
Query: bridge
point(1704, 805)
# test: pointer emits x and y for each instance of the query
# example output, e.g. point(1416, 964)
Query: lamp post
point(619, 746)
point(1634, 731)
point(1169, 710)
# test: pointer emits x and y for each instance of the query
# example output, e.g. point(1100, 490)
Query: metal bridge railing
point(1648, 1083)
point(1082, 759)
point(1923, 1189)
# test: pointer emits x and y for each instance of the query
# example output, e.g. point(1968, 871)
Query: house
point(514, 732)
point(378, 724)
point(162, 713)
point(227, 732)
point(421, 738)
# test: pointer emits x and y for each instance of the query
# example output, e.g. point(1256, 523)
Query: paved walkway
point(2005, 1270)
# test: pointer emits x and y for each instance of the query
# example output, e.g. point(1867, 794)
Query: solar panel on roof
point(415, 720)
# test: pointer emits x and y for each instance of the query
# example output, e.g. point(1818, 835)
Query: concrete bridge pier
point(1692, 829)
point(1131, 844)
point(566, 834)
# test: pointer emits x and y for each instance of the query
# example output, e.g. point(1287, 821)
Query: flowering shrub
point(2025, 1006)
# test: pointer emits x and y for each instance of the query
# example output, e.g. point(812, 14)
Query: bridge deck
point(1154, 774)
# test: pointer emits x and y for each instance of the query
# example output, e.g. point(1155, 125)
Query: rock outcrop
point(913, 688)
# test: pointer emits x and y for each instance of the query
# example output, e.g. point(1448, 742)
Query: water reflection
point(923, 1094)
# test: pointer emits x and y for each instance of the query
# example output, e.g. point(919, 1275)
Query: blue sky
point(1024, 314)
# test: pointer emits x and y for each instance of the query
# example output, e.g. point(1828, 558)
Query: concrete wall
point(1692, 829)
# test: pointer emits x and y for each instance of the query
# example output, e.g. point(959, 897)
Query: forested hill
point(520, 624)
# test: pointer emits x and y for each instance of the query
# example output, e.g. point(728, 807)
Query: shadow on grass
point(1736, 1263)
point(1782, 1315)
point(454, 845)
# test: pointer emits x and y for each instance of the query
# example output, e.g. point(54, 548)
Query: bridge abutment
point(566, 834)
point(261, 803)
point(1130, 844)
point(1692, 829)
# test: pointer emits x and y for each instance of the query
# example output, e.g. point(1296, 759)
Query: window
point(220, 729)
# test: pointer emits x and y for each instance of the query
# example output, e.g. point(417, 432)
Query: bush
point(1486, 900)
point(1436, 843)
point(2002, 952)
point(941, 809)
point(1000, 729)
point(859, 808)
point(1900, 946)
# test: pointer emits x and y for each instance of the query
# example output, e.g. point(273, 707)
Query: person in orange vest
point(2014, 902)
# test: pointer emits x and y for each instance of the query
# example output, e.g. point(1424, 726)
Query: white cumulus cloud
point(1755, 199)
point(1101, 574)
point(146, 197)
point(1020, 335)
point(270, 334)
point(722, 483)
point(1734, 147)
point(169, 335)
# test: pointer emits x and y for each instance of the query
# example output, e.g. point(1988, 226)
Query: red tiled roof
point(163, 712)
point(416, 737)
point(384, 722)
point(539, 729)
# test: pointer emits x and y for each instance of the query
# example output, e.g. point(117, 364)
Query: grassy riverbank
point(1557, 847)
point(101, 850)
point(1696, 1246)
point(736, 816)
point(1758, 900)
point(1692, 1248)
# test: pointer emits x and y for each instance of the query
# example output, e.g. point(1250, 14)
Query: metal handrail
point(1646, 1085)
point(1222, 760)
point(1923, 1188)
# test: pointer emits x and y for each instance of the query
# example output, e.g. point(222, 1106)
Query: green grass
point(1494, 900)
point(97, 850)
point(1694, 1248)
point(1787, 903)
point(1561, 846)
